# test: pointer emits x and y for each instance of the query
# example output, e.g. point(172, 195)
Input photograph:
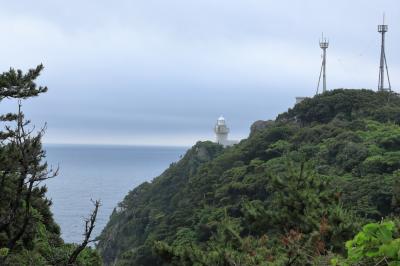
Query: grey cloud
point(127, 70)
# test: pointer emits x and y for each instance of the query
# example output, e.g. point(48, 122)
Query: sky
point(159, 72)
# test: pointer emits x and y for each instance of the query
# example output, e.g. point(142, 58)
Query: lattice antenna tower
point(324, 44)
point(382, 29)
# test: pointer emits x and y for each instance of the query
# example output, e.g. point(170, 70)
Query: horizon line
point(116, 144)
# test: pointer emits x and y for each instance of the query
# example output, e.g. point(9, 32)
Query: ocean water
point(93, 172)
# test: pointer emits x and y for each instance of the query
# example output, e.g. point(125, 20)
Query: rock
point(260, 125)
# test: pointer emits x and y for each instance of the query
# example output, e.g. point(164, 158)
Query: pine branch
point(15, 84)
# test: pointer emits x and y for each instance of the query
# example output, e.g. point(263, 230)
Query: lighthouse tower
point(221, 131)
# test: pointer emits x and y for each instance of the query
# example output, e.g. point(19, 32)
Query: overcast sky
point(160, 72)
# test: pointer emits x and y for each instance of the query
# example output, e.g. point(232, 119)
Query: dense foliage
point(376, 244)
point(291, 194)
point(28, 233)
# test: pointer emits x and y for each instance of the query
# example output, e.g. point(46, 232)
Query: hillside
point(291, 193)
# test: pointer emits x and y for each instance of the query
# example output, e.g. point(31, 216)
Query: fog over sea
point(100, 172)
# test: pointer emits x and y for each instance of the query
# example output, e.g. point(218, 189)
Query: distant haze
point(159, 72)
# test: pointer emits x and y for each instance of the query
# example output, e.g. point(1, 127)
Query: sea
point(99, 172)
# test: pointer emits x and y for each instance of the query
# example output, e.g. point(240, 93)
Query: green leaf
point(389, 250)
point(371, 228)
point(385, 232)
point(372, 253)
point(3, 252)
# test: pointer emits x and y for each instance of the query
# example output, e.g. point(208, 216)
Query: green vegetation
point(28, 233)
point(292, 193)
point(374, 245)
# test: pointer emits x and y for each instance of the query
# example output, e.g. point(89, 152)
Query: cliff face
point(309, 178)
point(148, 210)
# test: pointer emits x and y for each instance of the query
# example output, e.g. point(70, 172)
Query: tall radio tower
point(382, 29)
point(324, 44)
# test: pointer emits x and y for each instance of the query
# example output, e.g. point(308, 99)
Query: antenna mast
point(324, 44)
point(382, 29)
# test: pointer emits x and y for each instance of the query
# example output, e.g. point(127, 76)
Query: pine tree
point(23, 203)
point(28, 234)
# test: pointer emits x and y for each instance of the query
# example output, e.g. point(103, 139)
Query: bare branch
point(89, 226)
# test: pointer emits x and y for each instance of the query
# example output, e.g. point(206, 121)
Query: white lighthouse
point(221, 132)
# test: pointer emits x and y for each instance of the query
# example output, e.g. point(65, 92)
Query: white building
point(221, 133)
